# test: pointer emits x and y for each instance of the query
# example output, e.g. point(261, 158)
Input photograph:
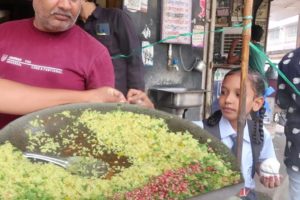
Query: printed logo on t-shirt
point(27, 63)
point(4, 57)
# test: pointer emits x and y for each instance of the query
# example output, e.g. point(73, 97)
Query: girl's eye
point(237, 94)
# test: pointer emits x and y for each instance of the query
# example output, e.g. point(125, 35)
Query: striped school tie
point(234, 142)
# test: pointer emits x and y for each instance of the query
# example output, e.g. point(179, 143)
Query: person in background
point(114, 29)
point(287, 99)
point(53, 52)
point(256, 60)
point(20, 99)
point(257, 142)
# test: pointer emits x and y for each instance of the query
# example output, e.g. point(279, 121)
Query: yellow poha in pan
point(146, 146)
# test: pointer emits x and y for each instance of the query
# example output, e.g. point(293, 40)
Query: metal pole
point(298, 32)
point(244, 65)
point(208, 84)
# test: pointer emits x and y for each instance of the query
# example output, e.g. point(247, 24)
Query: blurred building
point(282, 37)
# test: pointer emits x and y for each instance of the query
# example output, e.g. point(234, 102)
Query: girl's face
point(230, 94)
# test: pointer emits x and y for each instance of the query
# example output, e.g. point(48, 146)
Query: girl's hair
point(258, 84)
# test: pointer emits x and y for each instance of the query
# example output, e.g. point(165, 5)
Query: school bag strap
point(214, 130)
point(256, 143)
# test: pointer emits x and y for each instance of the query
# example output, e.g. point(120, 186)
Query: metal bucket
point(15, 131)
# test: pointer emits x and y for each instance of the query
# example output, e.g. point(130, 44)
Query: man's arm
point(20, 99)
point(232, 58)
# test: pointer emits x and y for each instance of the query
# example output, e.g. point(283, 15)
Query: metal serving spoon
point(83, 166)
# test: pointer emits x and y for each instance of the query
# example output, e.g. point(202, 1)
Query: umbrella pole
point(247, 12)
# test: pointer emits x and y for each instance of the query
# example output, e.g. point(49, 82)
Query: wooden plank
point(244, 65)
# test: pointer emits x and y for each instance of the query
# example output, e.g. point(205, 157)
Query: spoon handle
point(56, 161)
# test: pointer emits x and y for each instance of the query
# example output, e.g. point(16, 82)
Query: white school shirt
point(246, 166)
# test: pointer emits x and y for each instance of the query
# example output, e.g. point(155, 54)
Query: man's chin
point(60, 27)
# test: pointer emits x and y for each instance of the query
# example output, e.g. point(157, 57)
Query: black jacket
point(115, 30)
point(288, 99)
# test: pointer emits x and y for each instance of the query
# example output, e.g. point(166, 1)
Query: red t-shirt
point(70, 60)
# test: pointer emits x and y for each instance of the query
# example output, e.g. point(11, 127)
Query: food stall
point(63, 131)
point(148, 154)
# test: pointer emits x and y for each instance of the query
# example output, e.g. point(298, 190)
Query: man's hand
point(104, 95)
point(139, 97)
point(235, 42)
point(111, 95)
point(232, 58)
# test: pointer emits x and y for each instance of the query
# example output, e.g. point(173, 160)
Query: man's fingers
point(132, 93)
point(139, 97)
point(119, 95)
point(113, 95)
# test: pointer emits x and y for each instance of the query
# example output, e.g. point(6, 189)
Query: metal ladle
point(83, 166)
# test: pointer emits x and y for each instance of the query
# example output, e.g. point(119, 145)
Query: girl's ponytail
point(258, 133)
point(214, 119)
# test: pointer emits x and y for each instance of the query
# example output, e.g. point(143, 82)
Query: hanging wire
point(276, 68)
point(135, 51)
point(185, 68)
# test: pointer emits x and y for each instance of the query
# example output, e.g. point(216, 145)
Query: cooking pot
point(17, 131)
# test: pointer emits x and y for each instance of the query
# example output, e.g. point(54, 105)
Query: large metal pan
point(16, 134)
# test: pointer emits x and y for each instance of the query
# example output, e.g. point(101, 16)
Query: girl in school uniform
point(257, 142)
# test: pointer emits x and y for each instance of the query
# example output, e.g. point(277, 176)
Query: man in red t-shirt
point(50, 51)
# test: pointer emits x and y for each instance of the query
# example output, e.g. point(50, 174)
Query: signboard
point(176, 19)
point(198, 36)
point(136, 5)
point(202, 4)
point(133, 4)
point(223, 13)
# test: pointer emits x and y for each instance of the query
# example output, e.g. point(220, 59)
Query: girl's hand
point(139, 97)
point(269, 173)
point(271, 181)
